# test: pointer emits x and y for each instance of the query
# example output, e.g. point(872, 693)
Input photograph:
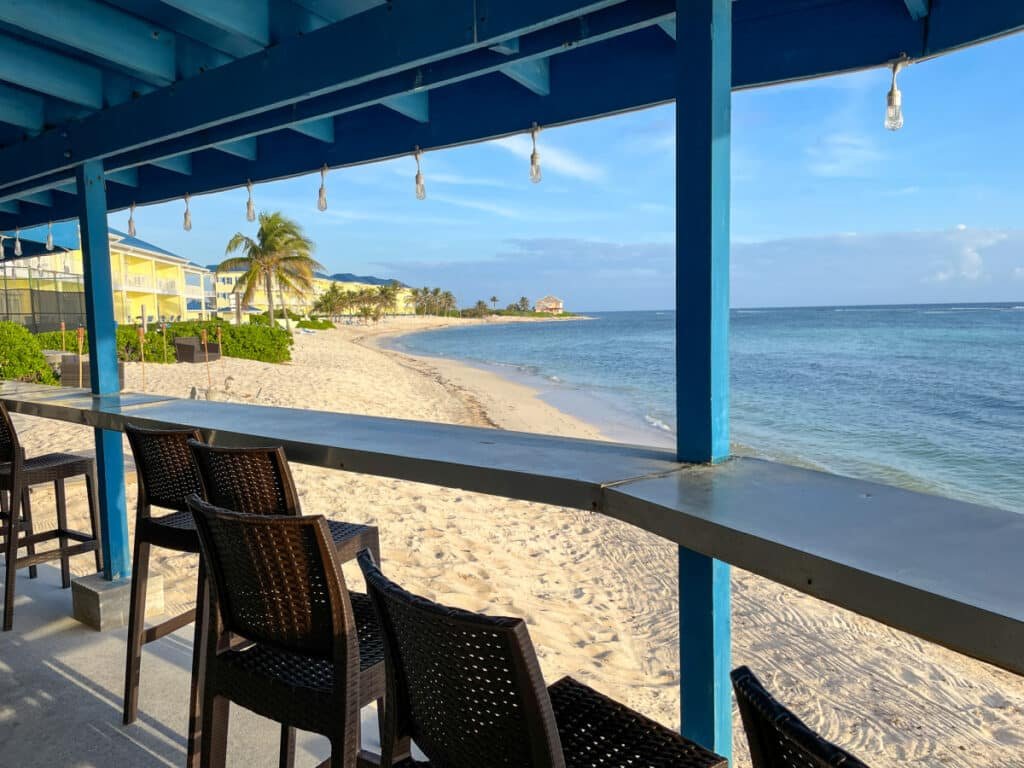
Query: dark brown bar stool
point(311, 655)
point(468, 690)
point(167, 475)
point(17, 475)
point(259, 481)
point(778, 738)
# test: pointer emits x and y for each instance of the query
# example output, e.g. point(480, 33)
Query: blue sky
point(828, 207)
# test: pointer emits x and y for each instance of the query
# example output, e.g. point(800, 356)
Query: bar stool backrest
point(166, 469)
point(253, 480)
point(9, 445)
point(276, 581)
point(778, 738)
point(465, 687)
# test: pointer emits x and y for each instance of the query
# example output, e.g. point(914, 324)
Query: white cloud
point(843, 155)
point(967, 263)
point(504, 211)
point(1018, 273)
point(961, 227)
point(560, 161)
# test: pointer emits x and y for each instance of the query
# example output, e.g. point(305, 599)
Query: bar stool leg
point(11, 556)
point(5, 510)
point(94, 516)
point(136, 628)
point(62, 526)
point(196, 719)
point(287, 752)
point(26, 513)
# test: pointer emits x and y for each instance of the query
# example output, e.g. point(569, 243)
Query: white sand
point(599, 596)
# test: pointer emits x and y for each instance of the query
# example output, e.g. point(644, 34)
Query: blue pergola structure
point(120, 102)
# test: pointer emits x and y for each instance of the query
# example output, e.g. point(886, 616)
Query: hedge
point(316, 325)
point(21, 357)
point(250, 342)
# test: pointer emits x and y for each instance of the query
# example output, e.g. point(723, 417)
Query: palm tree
point(280, 254)
point(435, 300)
point(494, 302)
point(448, 302)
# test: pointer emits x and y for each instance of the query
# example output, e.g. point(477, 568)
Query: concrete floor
point(61, 686)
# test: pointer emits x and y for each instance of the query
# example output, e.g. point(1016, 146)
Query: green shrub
point(128, 344)
point(316, 325)
point(21, 357)
point(251, 342)
point(51, 340)
point(259, 320)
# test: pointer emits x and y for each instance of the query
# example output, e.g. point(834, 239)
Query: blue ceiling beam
point(917, 9)
point(336, 10)
point(128, 177)
point(178, 163)
point(25, 110)
point(669, 28)
point(39, 69)
point(533, 74)
point(321, 129)
point(379, 42)
point(243, 148)
point(507, 47)
point(9, 206)
point(101, 30)
point(38, 198)
point(415, 106)
point(248, 18)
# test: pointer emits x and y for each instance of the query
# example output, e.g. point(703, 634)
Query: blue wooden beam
point(128, 177)
point(248, 18)
point(244, 148)
point(103, 379)
point(9, 206)
point(22, 109)
point(703, 69)
point(178, 163)
point(336, 10)
point(415, 106)
point(382, 41)
point(507, 47)
point(669, 28)
point(321, 129)
point(45, 198)
point(101, 30)
point(917, 9)
point(42, 70)
point(533, 74)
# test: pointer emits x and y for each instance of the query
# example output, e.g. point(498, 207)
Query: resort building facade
point(43, 287)
point(551, 304)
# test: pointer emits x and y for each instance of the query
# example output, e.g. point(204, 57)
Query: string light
point(17, 241)
point(188, 214)
point(131, 220)
point(321, 199)
point(49, 236)
point(894, 99)
point(421, 189)
point(535, 174)
point(250, 208)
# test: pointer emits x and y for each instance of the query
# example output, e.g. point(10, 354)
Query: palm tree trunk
point(270, 299)
point(284, 307)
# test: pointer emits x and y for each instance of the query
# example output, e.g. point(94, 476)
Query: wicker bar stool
point(313, 654)
point(468, 690)
point(258, 481)
point(778, 738)
point(167, 475)
point(17, 475)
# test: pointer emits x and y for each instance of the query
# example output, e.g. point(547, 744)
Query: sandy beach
point(599, 596)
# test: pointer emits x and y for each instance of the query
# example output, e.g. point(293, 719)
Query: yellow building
point(43, 287)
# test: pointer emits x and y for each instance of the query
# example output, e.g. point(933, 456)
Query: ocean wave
point(657, 423)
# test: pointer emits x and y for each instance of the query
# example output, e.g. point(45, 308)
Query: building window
point(193, 278)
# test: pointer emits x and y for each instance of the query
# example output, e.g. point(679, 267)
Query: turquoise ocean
point(929, 397)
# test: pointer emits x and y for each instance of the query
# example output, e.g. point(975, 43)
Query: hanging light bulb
point(17, 241)
point(321, 199)
point(49, 236)
point(421, 189)
point(250, 208)
point(535, 174)
point(894, 99)
point(131, 220)
point(188, 215)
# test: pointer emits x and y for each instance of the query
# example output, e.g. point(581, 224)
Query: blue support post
point(703, 115)
point(99, 308)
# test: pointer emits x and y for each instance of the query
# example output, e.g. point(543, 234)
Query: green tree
point(523, 305)
point(494, 302)
point(280, 254)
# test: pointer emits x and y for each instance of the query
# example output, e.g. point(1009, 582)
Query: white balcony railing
point(167, 286)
